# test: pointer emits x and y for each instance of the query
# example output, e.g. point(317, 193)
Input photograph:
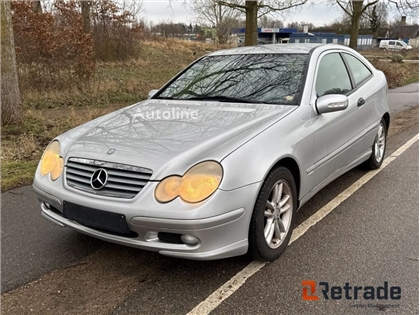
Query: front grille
point(124, 181)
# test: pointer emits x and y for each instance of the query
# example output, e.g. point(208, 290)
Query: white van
point(394, 45)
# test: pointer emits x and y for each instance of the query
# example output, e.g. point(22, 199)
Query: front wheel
point(378, 148)
point(273, 218)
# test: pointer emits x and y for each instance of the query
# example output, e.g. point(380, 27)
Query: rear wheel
point(378, 148)
point(273, 217)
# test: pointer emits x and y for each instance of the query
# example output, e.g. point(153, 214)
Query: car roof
point(268, 49)
point(277, 49)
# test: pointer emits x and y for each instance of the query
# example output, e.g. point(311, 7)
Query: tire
point(276, 218)
point(378, 149)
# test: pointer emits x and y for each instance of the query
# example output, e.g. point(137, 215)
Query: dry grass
point(22, 146)
point(123, 82)
point(398, 74)
point(377, 53)
point(185, 45)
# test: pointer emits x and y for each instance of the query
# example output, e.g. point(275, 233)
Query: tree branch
point(368, 5)
point(344, 9)
point(232, 5)
point(272, 8)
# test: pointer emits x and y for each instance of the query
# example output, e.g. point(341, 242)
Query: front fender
point(291, 137)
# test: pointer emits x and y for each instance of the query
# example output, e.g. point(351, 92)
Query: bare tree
point(11, 109)
point(356, 8)
point(300, 25)
point(169, 29)
point(221, 17)
point(269, 22)
point(254, 9)
point(36, 6)
point(85, 6)
point(135, 7)
point(378, 11)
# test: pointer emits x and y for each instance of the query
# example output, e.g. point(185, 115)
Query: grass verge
point(377, 53)
point(16, 174)
point(398, 74)
point(411, 80)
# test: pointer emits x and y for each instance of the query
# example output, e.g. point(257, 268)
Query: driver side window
point(332, 77)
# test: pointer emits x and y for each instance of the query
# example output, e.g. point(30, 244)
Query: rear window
point(358, 69)
point(259, 78)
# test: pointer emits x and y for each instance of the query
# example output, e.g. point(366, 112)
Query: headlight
point(58, 168)
point(200, 182)
point(168, 189)
point(197, 184)
point(51, 162)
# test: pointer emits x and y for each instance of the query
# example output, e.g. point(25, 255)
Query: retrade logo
point(349, 292)
point(308, 295)
point(99, 179)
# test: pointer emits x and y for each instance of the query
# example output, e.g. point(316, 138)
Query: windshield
point(259, 78)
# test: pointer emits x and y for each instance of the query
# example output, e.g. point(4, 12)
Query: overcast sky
point(159, 10)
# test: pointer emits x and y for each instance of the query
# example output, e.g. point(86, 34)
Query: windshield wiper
point(163, 98)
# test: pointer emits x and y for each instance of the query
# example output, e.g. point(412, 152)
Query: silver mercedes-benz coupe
point(217, 162)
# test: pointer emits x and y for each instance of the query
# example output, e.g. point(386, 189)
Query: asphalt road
point(369, 239)
point(403, 97)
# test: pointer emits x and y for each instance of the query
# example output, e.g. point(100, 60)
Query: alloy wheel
point(278, 214)
point(380, 143)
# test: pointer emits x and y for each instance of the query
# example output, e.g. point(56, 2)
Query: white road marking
point(227, 289)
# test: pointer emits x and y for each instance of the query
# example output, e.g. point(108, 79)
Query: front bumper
point(222, 235)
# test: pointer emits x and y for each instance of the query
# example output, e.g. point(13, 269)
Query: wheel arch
point(387, 119)
point(291, 164)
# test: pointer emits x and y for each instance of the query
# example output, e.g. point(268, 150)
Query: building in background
point(363, 42)
point(291, 35)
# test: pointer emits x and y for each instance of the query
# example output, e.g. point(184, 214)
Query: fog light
point(189, 239)
point(47, 205)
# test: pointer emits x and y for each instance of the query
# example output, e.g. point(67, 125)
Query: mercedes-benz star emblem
point(99, 179)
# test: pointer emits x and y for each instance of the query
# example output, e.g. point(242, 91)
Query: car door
point(391, 45)
point(368, 102)
point(399, 46)
point(336, 134)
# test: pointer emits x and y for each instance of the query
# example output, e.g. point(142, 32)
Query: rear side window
point(358, 69)
point(332, 77)
point(392, 43)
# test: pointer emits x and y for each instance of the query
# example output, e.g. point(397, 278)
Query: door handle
point(361, 102)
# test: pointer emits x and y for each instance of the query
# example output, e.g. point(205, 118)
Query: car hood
point(169, 136)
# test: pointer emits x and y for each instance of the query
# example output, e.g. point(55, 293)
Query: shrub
point(52, 50)
point(115, 32)
point(397, 58)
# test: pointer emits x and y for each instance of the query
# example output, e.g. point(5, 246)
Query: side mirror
point(151, 93)
point(331, 103)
